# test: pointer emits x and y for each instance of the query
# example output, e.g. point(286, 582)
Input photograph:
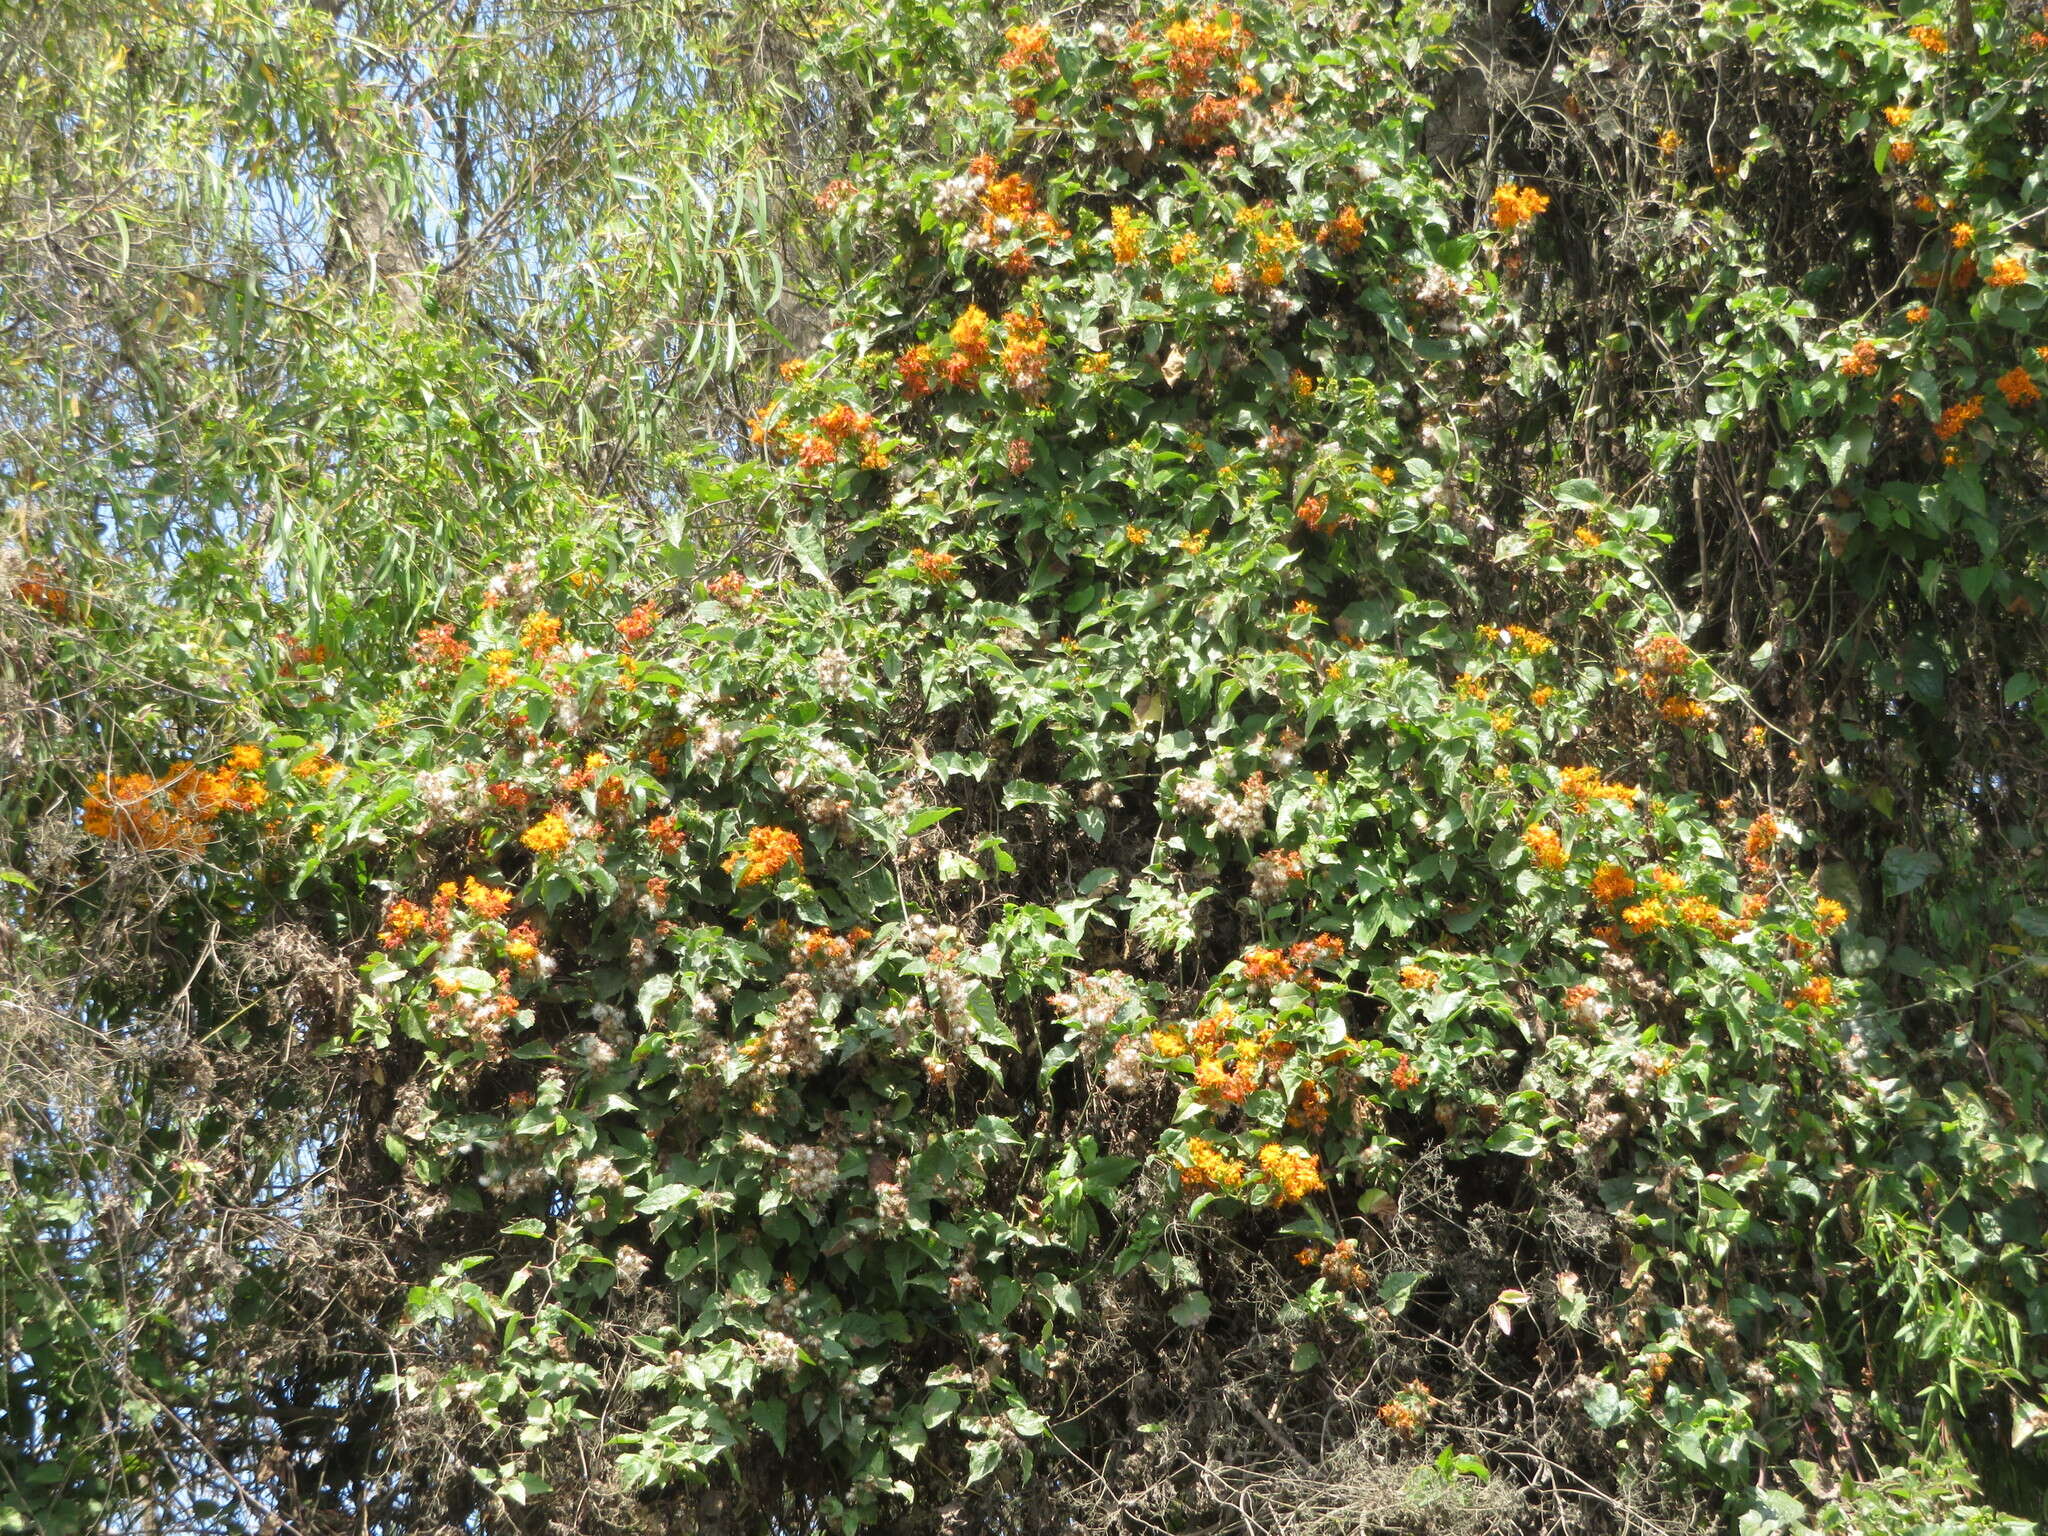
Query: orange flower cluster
point(935, 565)
point(1861, 363)
point(1126, 236)
point(550, 836)
point(1932, 39)
point(540, 634)
point(318, 766)
point(1210, 119)
point(1295, 1174)
point(731, 589)
point(1584, 785)
point(2006, 272)
point(1646, 916)
point(1030, 49)
point(1758, 843)
point(1663, 655)
point(1419, 978)
point(1528, 641)
point(1207, 1168)
point(2018, 387)
point(488, 902)
point(914, 371)
point(1202, 43)
point(1698, 912)
point(966, 356)
point(1311, 512)
point(35, 589)
point(1024, 353)
point(1409, 1410)
point(1344, 232)
point(522, 945)
point(1959, 416)
point(513, 797)
point(1515, 205)
point(639, 624)
point(175, 811)
point(768, 852)
point(1010, 211)
point(1611, 885)
point(1828, 915)
point(402, 922)
point(832, 430)
point(663, 832)
point(1276, 967)
point(1405, 1076)
point(1683, 709)
point(1819, 992)
point(1546, 846)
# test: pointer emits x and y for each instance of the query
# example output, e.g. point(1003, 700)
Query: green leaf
point(1398, 1289)
point(982, 1458)
point(1907, 869)
point(1192, 1311)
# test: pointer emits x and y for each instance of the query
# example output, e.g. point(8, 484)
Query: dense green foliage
point(1329, 824)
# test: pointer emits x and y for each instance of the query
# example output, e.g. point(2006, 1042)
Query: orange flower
point(1611, 885)
point(2007, 271)
point(2018, 387)
point(1683, 709)
point(768, 852)
point(1207, 1168)
point(487, 902)
point(1663, 655)
point(1584, 786)
point(1819, 991)
point(639, 624)
point(1546, 846)
point(1513, 205)
point(1957, 417)
point(1127, 234)
point(1030, 48)
point(1345, 231)
point(1933, 39)
point(1419, 978)
point(1861, 363)
point(550, 836)
point(936, 566)
point(1646, 916)
point(541, 633)
point(1295, 1173)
